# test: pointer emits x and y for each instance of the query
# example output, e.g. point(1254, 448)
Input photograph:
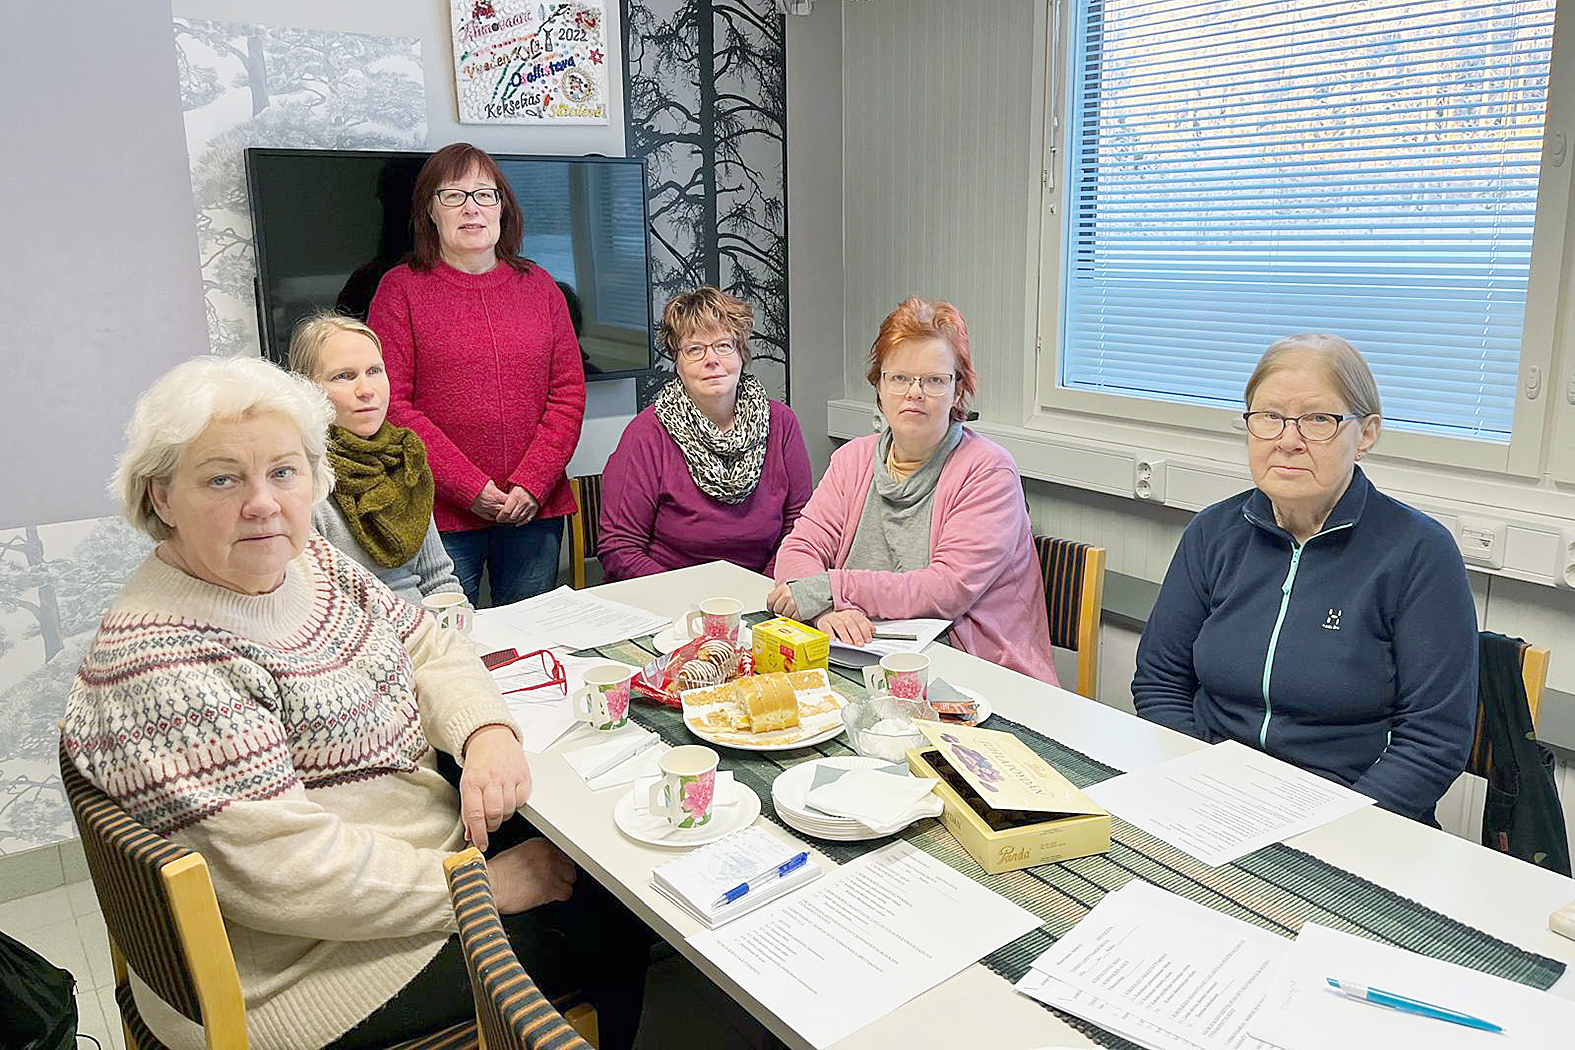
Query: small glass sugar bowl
point(881, 726)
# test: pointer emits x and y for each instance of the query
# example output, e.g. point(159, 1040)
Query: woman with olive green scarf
point(380, 511)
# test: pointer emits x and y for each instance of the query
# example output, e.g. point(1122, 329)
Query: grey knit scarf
point(727, 466)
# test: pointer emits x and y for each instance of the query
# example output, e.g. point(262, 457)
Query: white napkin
point(869, 796)
point(588, 760)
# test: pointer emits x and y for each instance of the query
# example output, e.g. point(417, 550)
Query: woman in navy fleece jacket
point(1313, 617)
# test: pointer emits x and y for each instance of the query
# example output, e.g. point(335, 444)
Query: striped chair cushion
point(125, 859)
point(513, 1013)
point(591, 510)
point(1062, 563)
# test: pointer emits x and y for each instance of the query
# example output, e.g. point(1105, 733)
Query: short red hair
point(917, 318)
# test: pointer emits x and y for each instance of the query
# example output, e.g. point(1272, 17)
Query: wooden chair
point(1074, 575)
point(512, 1012)
point(583, 525)
point(164, 925)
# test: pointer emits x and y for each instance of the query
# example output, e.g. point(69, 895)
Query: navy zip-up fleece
point(1353, 655)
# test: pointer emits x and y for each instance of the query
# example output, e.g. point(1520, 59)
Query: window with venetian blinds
point(1245, 170)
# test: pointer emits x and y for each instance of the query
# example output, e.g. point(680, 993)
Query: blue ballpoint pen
point(787, 866)
point(1379, 997)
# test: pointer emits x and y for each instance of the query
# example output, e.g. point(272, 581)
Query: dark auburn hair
point(917, 318)
point(450, 164)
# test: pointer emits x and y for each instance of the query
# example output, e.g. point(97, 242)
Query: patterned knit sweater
point(286, 737)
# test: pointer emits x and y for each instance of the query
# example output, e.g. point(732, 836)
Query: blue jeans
point(521, 561)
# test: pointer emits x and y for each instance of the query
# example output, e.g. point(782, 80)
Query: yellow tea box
point(1006, 805)
point(787, 645)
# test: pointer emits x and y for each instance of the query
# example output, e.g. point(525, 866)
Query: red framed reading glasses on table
point(541, 660)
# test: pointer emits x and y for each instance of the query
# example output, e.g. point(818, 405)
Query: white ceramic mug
point(686, 794)
point(451, 610)
point(715, 618)
point(603, 701)
point(903, 675)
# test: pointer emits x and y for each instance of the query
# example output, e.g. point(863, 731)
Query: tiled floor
point(65, 927)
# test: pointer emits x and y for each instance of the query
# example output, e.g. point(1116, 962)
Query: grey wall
point(99, 285)
point(428, 20)
point(815, 270)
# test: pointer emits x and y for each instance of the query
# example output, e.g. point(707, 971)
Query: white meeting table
point(1498, 894)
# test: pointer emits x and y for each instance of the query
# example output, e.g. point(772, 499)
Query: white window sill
point(1530, 525)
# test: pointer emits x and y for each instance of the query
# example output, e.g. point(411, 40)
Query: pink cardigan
point(983, 574)
point(486, 369)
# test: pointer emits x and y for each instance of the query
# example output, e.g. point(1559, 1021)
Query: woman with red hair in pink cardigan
point(925, 518)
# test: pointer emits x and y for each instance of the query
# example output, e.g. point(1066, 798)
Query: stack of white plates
point(790, 787)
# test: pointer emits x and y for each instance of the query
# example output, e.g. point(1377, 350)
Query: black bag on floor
point(38, 1003)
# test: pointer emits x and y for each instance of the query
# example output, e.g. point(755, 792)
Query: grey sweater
point(431, 571)
point(893, 534)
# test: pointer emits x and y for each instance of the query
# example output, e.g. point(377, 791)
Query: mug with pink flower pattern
point(603, 700)
point(903, 675)
point(715, 618)
point(687, 789)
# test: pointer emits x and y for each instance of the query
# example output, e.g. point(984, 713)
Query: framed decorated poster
point(528, 62)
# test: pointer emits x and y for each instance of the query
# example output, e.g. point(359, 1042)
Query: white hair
point(193, 394)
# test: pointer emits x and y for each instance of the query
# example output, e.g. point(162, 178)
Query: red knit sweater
point(485, 367)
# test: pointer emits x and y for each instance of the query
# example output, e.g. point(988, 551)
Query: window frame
point(1544, 423)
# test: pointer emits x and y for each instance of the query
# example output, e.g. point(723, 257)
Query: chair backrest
point(160, 910)
point(1534, 676)
point(510, 1010)
point(584, 524)
point(1074, 575)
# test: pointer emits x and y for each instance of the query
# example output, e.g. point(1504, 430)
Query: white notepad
point(695, 880)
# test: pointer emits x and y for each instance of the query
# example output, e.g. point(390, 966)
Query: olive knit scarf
point(384, 487)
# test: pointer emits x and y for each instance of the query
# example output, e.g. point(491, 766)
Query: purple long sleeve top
point(655, 518)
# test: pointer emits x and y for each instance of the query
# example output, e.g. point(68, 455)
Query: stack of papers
point(877, 932)
point(696, 880)
point(574, 619)
point(1223, 802)
point(1301, 1012)
point(926, 631)
point(1172, 974)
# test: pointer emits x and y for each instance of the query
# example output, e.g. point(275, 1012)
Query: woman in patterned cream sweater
point(257, 696)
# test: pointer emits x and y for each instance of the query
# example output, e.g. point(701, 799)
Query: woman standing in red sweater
point(483, 365)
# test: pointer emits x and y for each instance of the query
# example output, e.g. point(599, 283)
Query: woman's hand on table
point(534, 872)
point(780, 601)
point(489, 502)
point(847, 625)
point(494, 783)
point(519, 507)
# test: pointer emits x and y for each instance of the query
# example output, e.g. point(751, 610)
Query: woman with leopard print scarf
point(714, 469)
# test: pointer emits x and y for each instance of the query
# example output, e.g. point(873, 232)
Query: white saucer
point(666, 641)
point(653, 828)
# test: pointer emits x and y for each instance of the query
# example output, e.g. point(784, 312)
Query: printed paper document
point(577, 620)
point(925, 630)
point(1301, 1012)
point(1223, 802)
point(863, 940)
point(1161, 970)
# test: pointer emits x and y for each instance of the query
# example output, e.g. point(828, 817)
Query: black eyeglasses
point(486, 196)
point(1314, 426)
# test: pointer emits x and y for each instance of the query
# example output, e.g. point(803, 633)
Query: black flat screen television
point(329, 223)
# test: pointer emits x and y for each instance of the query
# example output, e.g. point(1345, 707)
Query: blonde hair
point(177, 408)
point(306, 342)
point(1343, 365)
point(706, 308)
